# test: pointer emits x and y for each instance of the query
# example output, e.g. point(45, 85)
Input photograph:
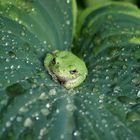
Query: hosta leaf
point(109, 100)
point(43, 19)
point(28, 30)
point(33, 106)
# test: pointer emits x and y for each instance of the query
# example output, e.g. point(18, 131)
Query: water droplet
point(45, 42)
point(19, 119)
point(23, 33)
point(31, 25)
point(70, 107)
point(117, 89)
point(3, 102)
point(43, 131)
point(68, 1)
point(76, 133)
point(6, 44)
point(138, 94)
point(20, 22)
point(62, 136)
point(8, 124)
point(107, 77)
point(12, 67)
point(136, 81)
point(6, 68)
point(57, 111)
point(52, 92)
point(23, 109)
point(3, 38)
point(7, 60)
point(28, 122)
point(49, 45)
point(65, 42)
point(48, 105)
point(45, 111)
point(43, 96)
point(104, 121)
point(18, 66)
point(33, 9)
point(68, 22)
point(9, 31)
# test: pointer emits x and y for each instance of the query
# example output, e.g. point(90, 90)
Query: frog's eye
point(73, 71)
point(53, 61)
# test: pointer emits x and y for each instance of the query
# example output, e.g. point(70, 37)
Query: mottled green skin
point(66, 68)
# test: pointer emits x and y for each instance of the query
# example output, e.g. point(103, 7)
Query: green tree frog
point(66, 68)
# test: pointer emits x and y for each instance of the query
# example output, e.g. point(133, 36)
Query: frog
point(66, 68)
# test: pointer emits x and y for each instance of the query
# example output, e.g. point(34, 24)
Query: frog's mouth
point(60, 79)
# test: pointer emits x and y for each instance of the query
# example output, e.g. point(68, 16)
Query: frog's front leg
point(73, 82)
point(48, 60)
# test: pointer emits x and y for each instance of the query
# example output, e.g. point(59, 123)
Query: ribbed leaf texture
point(106, 106)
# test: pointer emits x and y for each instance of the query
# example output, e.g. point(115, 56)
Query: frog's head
point(65, 66)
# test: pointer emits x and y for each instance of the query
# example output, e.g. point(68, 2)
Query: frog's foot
point(70, 83)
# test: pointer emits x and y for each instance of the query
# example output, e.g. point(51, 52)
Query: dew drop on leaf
point(76, 133)
point(65, 42)
point(3, 102)
point(12, 67)
point(19, 119)
point(23, 33)
point(7, 60)
point(52, 92)
point(136, 81)
point(23, 110)
point(48, 105)
point(117, 89)
point(70, 107)
point(68, 22)
point(43, 132)
point(28, 122)
point(45, 42)
point(43, 96)
point(57, 111)
point(45, 111)
point(62, 136)
point(8, 124)
point(138, 94)
point(68, 1)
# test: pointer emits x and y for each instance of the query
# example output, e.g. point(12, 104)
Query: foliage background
point(105, 34)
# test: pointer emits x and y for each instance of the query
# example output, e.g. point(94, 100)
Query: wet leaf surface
point(32, 106)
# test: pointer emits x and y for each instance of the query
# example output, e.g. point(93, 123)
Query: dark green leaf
point(32, 105)
point(109, 42)
point(105, 107)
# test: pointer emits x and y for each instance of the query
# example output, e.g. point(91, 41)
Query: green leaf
point(28, 30)
point(51, 22)
point(108, 103)
point(33, 106)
